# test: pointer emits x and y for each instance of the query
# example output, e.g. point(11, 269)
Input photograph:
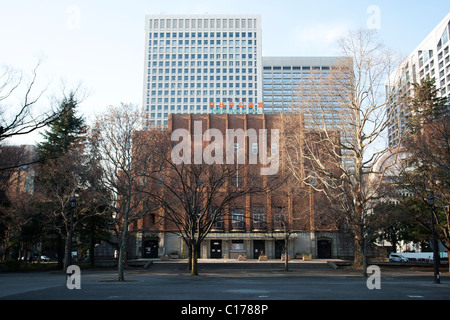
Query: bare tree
point(345, 116)
point(283, 222)
point(25, 117)
point(193, 198)
point(125, 159)
point(58, 182)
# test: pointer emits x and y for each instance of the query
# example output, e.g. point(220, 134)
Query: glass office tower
point(201, 64)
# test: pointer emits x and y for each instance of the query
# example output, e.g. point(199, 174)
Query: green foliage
point(63, 132)
point(426, 106)
point(11, 265)
point(427, 169)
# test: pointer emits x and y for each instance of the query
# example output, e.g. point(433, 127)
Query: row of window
point(167, 49)
point(296, 68)
point(199, 56)
point(427, 67)
point(218, 23)
point(305, 80)
point(160, 35)
point(206, 92)
point(295, 74)
point(198, 63)
point(205, 99)
point(192, 84)
point(167, 43)
point(205, 70)
point(258, 218)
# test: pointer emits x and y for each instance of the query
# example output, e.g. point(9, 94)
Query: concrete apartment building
point(430, 59)
point(195, 62)
point(253, 223)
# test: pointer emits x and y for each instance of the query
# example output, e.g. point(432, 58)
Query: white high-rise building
point(201, 64)
point(431, 59)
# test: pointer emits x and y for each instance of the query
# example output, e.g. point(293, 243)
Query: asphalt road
point(225, 290)
point(228, 281)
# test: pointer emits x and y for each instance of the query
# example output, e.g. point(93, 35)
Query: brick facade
point(312, 230)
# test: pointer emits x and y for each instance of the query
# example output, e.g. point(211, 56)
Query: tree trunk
point(92, 252)
point(92, 247)
point(122, 251)
point(189, 264)
point(360, 259)
point(195, 252)
point(286, 256)
point(67, 253)
point(5, 253)
point(364, 260)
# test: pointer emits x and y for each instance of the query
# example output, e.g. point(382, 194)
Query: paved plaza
point(225, 290)
point(229, 280)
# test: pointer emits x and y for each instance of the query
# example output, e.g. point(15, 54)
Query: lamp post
point(73, 203)
point(434, 242)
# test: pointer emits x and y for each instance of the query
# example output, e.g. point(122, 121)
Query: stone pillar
point(313, 244)
point(138, 251)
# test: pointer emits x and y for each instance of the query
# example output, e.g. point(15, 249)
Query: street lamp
point(73, 203)
point(430, 199)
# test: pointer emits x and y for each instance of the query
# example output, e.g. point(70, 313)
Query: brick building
point(254, 223)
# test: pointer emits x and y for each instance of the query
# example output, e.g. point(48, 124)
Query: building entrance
point(216, 249)
point(258, 248)
point(324, 249)
point(279, 248)
point(150, 248)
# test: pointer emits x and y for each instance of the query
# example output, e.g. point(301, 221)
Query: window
point(237, 244)
point(259, 218)
point(237, 218)
point(218, 219)
point(279, 218)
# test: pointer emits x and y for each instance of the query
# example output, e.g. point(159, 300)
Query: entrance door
point(279, 248)
point(150, 249)
point(258, 248)
point(216, 249)
point(324, 249)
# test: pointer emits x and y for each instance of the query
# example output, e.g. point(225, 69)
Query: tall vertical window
point(237, 218)
point(259, 218)
point(279, 218)
point(218, 224)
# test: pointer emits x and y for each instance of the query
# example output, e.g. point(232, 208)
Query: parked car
point(45, 258)
point(395, 257)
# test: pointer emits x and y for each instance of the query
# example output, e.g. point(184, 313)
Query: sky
point(99, 45)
